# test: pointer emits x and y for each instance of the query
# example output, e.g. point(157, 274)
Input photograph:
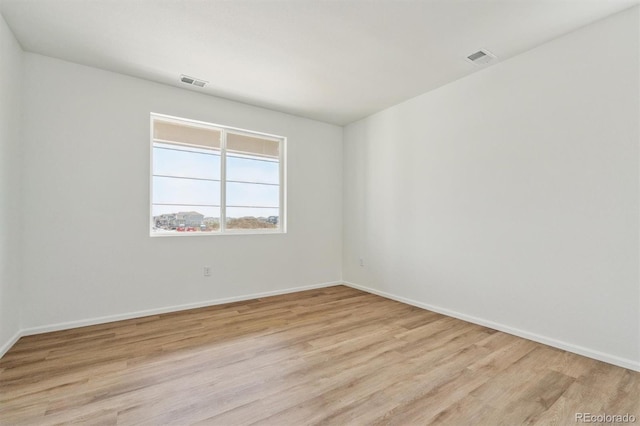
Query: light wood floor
point(332, 356)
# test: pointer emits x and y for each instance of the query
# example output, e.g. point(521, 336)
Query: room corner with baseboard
point(494, 223)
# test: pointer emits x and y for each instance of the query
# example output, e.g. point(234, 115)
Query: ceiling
point(334, 61)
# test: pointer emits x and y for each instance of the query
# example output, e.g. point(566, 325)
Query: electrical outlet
point(206, 271)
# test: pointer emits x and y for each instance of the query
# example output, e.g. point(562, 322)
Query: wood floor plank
point(330, 356)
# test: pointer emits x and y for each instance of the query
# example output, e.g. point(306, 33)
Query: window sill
point(211, 234)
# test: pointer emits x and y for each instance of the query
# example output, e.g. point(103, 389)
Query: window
point(209, 179)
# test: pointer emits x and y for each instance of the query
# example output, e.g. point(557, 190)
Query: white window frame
point(282, 222)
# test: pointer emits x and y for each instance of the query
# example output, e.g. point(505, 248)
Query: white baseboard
point(580, 350)
point(163, 310)
point(601, 356)
point(9, 343)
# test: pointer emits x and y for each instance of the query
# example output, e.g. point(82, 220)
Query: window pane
point(252, 195)
point(252, 218)
point(176, 161)
point(185, 191)
point(168, 219)
point(252, 145)
point(252, 170)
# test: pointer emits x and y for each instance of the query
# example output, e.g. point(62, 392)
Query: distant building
point(175, 220)
point(189, 218)
point(166, 221)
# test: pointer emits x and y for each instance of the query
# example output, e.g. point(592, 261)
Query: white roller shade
point(253, 145)
point(183, 134)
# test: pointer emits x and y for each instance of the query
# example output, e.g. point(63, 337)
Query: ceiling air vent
point(192, 81)
point(481, 57)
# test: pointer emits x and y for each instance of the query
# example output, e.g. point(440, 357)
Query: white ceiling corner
point(333, 61)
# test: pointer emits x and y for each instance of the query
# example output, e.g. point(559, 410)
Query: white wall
point(11, 57)
point(511, 197)
point(87, 251)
